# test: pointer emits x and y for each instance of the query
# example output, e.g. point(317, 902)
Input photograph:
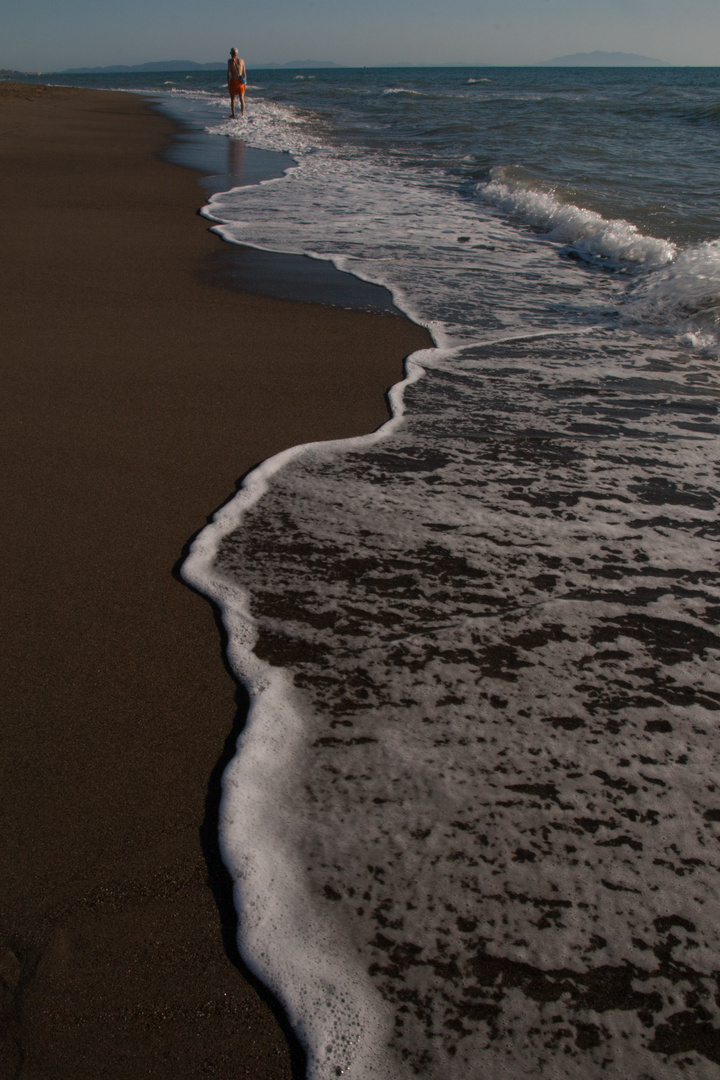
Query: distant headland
point(604, 59)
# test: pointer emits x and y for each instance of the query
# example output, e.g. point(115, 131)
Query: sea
point(473, 819)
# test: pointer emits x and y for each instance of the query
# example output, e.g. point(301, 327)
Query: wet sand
point(137, 390)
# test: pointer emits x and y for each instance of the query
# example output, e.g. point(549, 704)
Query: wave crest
point(688, 293)
point(586, 231)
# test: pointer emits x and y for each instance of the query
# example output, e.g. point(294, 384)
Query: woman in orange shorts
point(237, 78)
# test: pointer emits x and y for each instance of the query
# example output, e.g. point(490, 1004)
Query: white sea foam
point(267, 126)
point(402, 90)
point(501, 711)
point(473, 816)
point(689, 292)
point(304, 957)
point(444, 259)
point(680, 293)
point(585, 230)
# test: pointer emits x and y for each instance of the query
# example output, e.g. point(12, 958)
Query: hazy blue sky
point(48, 35)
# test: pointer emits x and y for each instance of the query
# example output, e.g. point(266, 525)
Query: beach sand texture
point(136, 391)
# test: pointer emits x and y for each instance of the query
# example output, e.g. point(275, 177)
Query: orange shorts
point(236, 86)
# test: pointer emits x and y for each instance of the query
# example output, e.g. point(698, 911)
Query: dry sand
point(135, 393)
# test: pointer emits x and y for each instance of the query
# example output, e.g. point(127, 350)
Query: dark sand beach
point(137, 388)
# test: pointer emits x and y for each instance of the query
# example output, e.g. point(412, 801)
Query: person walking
point(237, 81)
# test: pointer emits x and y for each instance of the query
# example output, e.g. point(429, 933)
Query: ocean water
point(474, 816)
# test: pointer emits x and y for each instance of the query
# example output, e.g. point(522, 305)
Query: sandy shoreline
point(137, 391)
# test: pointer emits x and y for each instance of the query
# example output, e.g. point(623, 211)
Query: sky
point(50, 35)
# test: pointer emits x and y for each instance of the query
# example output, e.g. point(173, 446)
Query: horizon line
point(289, 66)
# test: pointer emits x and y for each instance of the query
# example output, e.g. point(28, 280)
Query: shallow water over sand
point(500, 624)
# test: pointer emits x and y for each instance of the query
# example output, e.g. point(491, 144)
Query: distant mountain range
point(604, 59)
point(592, 59)
point(188, 65)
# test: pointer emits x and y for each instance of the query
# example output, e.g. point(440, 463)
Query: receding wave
point(473, 820)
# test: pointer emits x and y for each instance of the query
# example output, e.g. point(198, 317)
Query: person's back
point(237, 78)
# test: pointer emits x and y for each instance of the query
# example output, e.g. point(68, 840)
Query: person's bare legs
point(232, 106)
